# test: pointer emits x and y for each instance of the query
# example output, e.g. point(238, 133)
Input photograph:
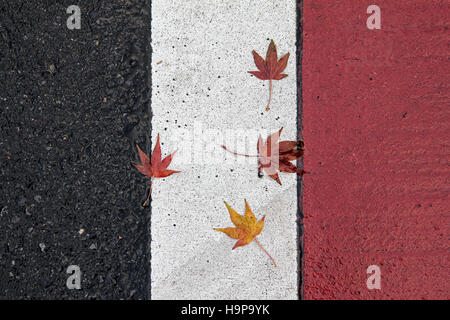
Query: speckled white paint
point(201, 55)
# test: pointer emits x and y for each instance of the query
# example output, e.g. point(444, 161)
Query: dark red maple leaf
point(275, 155)
point(154, 167)
point(271, 68)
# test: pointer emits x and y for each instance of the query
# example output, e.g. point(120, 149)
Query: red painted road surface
point(376, 128)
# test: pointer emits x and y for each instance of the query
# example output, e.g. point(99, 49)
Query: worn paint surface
point(376, 126)
point(202, 92)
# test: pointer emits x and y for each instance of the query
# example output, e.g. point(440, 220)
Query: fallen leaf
point(154, 167)
point(246, 230)
point(275, 155)
point(271, 68)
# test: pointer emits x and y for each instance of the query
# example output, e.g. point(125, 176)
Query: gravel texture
point(73, 104)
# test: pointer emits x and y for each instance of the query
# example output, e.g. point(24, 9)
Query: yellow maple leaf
point(246, 230)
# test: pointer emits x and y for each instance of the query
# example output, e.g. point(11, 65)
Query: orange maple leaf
point(275, 155)
point(246, 230)
point(271, 68)
point(154, 167)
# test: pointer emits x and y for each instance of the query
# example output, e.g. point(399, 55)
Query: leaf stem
point(239, 154)
point(273, 260)
point(270, 95)
point(277, 164)
point(248, 156)
point(149, 193)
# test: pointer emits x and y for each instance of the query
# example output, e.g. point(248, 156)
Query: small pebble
point(21, 202)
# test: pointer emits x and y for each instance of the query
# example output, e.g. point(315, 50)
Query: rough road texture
point(376, 121)
point(73, 104)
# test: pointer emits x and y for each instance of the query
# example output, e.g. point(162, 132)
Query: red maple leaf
point(275, 155)
point(154, 167)
point(271, 68)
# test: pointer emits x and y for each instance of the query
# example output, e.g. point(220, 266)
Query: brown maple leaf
point(275, 155)
point(246, 230)
point(154, 167)
point(271, 68)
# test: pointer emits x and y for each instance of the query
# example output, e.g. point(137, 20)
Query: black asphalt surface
point(73, 105)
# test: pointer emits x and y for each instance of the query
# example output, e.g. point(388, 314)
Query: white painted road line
point(201, 55)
